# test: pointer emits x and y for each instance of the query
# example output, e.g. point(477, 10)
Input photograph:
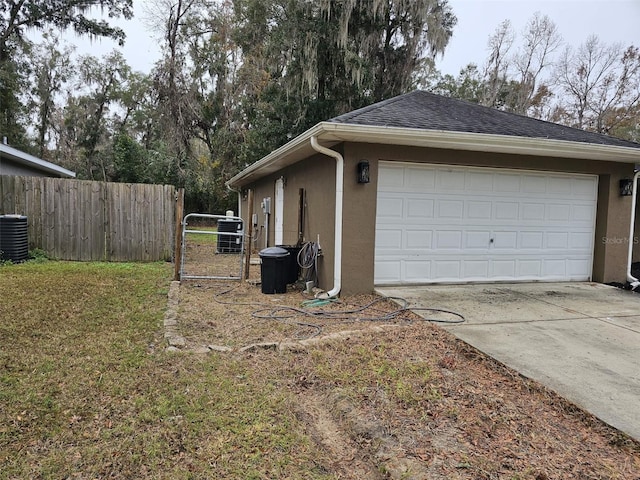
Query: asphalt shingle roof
point(428, 111)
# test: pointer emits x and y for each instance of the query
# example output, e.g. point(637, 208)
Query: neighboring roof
point(427, 111)
point(23, 158)
point(424, 119)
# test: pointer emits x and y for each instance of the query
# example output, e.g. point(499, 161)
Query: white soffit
point(330, 133)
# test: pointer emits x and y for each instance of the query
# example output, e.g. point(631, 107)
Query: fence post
point(177, 256)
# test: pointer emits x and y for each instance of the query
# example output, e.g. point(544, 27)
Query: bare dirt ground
point(387, 395)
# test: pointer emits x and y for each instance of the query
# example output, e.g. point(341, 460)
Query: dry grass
point(87, 392)
point(236, 314)
point(201, 257)
point(407, 401)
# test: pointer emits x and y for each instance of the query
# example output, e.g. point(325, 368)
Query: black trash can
point(273, 270)
point(293, 269)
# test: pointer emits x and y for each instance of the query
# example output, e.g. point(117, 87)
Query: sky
point(612, 21)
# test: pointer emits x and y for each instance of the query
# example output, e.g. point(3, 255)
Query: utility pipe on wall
point(238, 192)
point(337, 262)
point(632, 224)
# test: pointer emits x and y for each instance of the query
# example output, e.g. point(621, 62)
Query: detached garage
point(425, 189)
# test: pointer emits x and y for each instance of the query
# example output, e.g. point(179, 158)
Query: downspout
point(632, 224)
point(337, 262)
point(239, 193)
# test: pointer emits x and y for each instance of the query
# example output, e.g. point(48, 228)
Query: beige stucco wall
point(316, 176)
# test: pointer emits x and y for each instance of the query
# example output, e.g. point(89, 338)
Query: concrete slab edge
point(174, 340)
point(618, 436)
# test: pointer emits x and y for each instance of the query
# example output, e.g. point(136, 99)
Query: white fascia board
point(330, 132)
point(24, 158)
point(480, 142)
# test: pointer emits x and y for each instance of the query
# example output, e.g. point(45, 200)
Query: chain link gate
point(226, 253)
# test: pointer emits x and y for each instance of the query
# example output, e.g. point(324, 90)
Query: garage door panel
point(557, 240)
point(503, 225)
point(450, 209)
point(504, 240)
point(555, 268)
point(448, 240)
point(584, 187)
point(534, 184)
point(504, 269)
point(447, 269)
point(558, 212)
point(531, 240)
point(388, 271)
point(479, 210)
point(420, 208)
point(583, 213)
point(581, 241)
point(477, 240)
point(508, 183)
point(420, 179)
point(578, 268)
point(475, 269)
point(529, 269)
point(393, 177)
point(418, 239)
point(479, 182)
point(387, 239)
point(390, 207)
point(450, 180)
point(533, 211)
point(506, 210)
point(456, 270)
point(558, 185)
point(417, 270)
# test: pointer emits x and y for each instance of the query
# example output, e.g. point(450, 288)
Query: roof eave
point(26, 159)
point(480, 142)
point(287, 154)
point(334, 132)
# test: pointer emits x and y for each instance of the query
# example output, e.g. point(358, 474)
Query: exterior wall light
point(626, 187)
point(363, 171)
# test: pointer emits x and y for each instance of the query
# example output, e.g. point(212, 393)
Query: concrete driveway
point(582, 340)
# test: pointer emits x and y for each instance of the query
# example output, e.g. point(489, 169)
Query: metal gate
point(226, 250)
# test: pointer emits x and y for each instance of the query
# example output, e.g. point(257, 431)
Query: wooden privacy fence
point(89, 221)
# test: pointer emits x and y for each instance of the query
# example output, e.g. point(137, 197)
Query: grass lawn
point(202, 238)
point(88, 391)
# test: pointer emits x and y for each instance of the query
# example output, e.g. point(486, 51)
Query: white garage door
point(439, 223)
